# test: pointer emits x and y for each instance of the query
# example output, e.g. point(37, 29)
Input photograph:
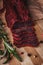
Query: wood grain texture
point(29, 60)
point(36, 57)
point(39, 32)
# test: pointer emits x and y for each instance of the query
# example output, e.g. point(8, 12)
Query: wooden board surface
point(30, 56)
point(39, 32)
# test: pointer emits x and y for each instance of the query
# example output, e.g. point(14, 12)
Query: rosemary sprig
point(8, 46)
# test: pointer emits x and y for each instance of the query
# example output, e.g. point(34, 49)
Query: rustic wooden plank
point(35, 57)
point(39, 50)
point(39, 32)
point(26, 59)
point(14, 61)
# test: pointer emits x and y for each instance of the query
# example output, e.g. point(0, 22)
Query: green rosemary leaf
point(17, 55)
point(13, 51)
point(1, 52)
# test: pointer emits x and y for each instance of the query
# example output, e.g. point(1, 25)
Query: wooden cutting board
point(30, 56)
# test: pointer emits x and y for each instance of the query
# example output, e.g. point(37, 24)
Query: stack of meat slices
point(24, 35)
